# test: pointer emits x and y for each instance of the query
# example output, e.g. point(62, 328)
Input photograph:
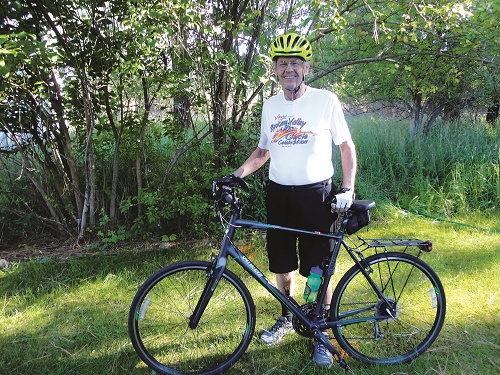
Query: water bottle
point(312, 284)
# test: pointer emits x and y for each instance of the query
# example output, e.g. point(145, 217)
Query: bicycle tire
point(159, 317)
point(418, 295)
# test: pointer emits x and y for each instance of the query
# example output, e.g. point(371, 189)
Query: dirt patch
point(22, 252)
point(54, 249)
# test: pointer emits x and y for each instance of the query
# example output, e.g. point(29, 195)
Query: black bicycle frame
point(317, 326)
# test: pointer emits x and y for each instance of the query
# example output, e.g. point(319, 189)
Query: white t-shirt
point(299, 136)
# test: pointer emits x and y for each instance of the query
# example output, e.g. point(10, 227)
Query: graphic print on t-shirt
point(287, 131)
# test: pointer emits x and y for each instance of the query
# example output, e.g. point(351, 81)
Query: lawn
point(69, 316)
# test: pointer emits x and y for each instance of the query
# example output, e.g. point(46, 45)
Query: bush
point(452, 171)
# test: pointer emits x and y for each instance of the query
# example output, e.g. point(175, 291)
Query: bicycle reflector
point(426, 246)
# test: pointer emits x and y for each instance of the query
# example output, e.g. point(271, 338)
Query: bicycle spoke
point(159, 321)
point(405, 282)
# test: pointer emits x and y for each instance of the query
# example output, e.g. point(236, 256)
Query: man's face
point(290, 71)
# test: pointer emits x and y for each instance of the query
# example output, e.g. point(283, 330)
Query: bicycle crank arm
point(336, 354)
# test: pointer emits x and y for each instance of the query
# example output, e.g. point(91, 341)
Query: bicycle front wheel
point(370, 333)
point(158, 321)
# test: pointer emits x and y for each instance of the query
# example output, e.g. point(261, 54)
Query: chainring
point(298, 326)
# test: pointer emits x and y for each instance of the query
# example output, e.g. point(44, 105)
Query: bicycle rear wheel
point(409, 285)
point(159, 317)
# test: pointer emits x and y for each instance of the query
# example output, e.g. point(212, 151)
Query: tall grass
point(452, 171)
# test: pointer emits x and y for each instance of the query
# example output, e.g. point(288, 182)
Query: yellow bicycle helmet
point(291, 45)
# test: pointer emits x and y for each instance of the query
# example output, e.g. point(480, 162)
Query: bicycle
point(198, 317)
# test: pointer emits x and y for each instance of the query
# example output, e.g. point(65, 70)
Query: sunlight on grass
point(70, 316)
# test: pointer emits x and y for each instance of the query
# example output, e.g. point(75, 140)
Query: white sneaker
point(273, 335)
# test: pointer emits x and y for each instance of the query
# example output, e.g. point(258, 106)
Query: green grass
point(70, 316)
point(454, 170)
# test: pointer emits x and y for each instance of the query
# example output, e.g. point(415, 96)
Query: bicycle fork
point(215, 274)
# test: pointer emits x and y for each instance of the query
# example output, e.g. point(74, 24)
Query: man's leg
point(286, 284)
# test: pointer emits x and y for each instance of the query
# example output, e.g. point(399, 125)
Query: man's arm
point(349, 164)
point(343, 200)
point(254, 162)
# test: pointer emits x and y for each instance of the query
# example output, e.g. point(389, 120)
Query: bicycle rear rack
point(405, 244)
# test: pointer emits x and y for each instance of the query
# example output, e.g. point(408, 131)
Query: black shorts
point(303, 207)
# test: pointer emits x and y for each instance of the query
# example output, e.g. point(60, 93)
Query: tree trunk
point(114, 182)
point(219, 109)
point(493, 112)
point(64, 141)
point(78, 63)
point(241, 102)
point(431, 119)
point(233, 12)
point(142, 131)
point(117, 134)
point(90, 182)
point(416, 118)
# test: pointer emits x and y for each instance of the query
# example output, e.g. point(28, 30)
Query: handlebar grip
point(241, 182)
point(231, 180)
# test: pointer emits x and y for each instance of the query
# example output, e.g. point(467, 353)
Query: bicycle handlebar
point(230, 181)
point(223, 190)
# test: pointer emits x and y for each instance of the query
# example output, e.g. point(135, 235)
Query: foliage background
point(116, 116)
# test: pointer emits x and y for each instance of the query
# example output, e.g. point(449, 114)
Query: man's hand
point(342, 201)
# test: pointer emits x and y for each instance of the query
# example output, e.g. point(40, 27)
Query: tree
point(424, 55)
point(120, 94)
point(33, 115)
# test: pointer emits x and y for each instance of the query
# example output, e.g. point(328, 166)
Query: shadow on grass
point(70, 317)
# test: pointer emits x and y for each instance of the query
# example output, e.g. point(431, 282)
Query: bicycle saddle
point(362, 205)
